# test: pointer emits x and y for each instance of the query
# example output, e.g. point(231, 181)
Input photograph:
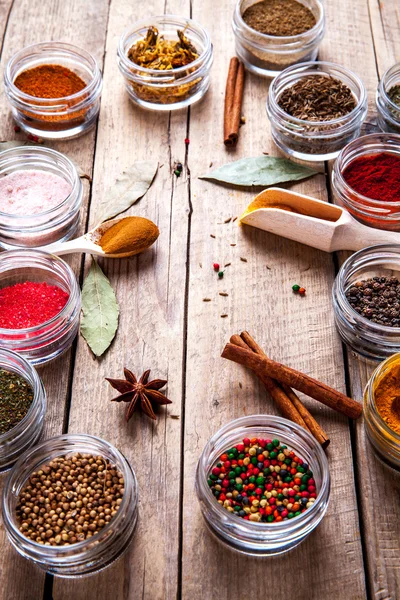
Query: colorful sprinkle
point(261, 480)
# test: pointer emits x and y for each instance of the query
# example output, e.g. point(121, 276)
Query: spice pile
point(70, 499)
point(394, 95)
point(376, 176)
point(279, 17)
point(31, 191)
point(317, 98)
point(129, 236)
point(377, 299)
point(155, 52)
point(29, 304)
point(387, 399)
point(263, 481)
point(16, 397)
point(49, 81)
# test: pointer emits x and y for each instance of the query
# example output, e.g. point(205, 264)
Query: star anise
point(140, 394)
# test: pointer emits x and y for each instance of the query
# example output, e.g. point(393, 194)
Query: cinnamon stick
point(312, 425)
point(233, 102)
point(281, 400)
point(295, 379)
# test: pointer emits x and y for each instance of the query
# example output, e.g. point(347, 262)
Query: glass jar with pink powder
point(40, 197)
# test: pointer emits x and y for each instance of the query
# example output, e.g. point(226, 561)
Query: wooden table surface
point(166, 326)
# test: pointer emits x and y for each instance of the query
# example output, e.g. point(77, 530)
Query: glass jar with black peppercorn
point(366, 301)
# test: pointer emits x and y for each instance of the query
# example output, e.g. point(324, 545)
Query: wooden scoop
point(88, 243)
point(312, 222)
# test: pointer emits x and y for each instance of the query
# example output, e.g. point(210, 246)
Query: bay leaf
point(131, 185)
point(100, 311)
point(260, 171)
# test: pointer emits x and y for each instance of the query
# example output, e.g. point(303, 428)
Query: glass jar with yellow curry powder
point(382, 410)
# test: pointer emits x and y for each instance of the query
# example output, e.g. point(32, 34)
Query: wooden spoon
point(87, 243)
point(312, 222)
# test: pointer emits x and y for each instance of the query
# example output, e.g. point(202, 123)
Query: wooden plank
point(378, 489)
point(297, 331)
point(151, 292)
point(83, 23)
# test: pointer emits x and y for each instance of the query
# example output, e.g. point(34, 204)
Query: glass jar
point(56, 224)
point(55, 118)
point(268, 55)
point(47, 341)
point(262, 539)
point(375, 213)
point(26, 433)
point(371, 340)
point(169, 89)
point(388, 112)
point(315, 140)
point(95, 553)
point(385, 441)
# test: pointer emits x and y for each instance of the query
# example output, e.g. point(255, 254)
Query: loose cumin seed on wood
point(317, 98)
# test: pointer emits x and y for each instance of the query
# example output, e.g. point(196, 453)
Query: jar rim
point(298, 432)
point(55, 154)
point(52, 103)
point(344, 120)
point(371, 396)
point(341, 284)
point(79, 439)
point(163, 18)
point(37, 387)
point(382, 86)
point(363, 151)
point(4, 331)
point(282, 38)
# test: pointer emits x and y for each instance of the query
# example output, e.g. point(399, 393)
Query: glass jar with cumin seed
point(306, 132)
point(388, 100)
point(99, 546)
point(30, 405)
point(154, 82)
point(267, 55)
point(62, 117)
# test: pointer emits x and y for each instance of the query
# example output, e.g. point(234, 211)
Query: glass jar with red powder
point(40, 304)
point(40, 197)
point(366, 180)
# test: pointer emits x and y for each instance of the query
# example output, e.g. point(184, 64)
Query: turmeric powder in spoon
point(129, 236)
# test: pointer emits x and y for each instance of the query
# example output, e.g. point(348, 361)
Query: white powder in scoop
point(30, 191)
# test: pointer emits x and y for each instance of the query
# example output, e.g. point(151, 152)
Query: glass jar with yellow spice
point(165, 62)
point(382, 410)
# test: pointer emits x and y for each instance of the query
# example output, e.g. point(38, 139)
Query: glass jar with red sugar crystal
point(40, 304)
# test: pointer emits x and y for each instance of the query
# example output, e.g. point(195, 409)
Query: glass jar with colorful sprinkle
point(39, 304)
point(263, 485)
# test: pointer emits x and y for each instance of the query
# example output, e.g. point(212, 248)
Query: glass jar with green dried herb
point(315, 109)
point(166, 62)
point(388, 100)
point(22, 407)
point(271, 35)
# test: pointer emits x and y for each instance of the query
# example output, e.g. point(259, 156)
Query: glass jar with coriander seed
point(22, 407)
point(165, 62)
point(382, 411)
point(74, 528)
point(276, 523)
point(388, 100)
point(318, 130)
point(54, 90)
point(269, 43)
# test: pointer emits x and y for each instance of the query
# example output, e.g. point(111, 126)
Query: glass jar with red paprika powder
point(366, 180)
point(54, 90)
point(40, 303)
